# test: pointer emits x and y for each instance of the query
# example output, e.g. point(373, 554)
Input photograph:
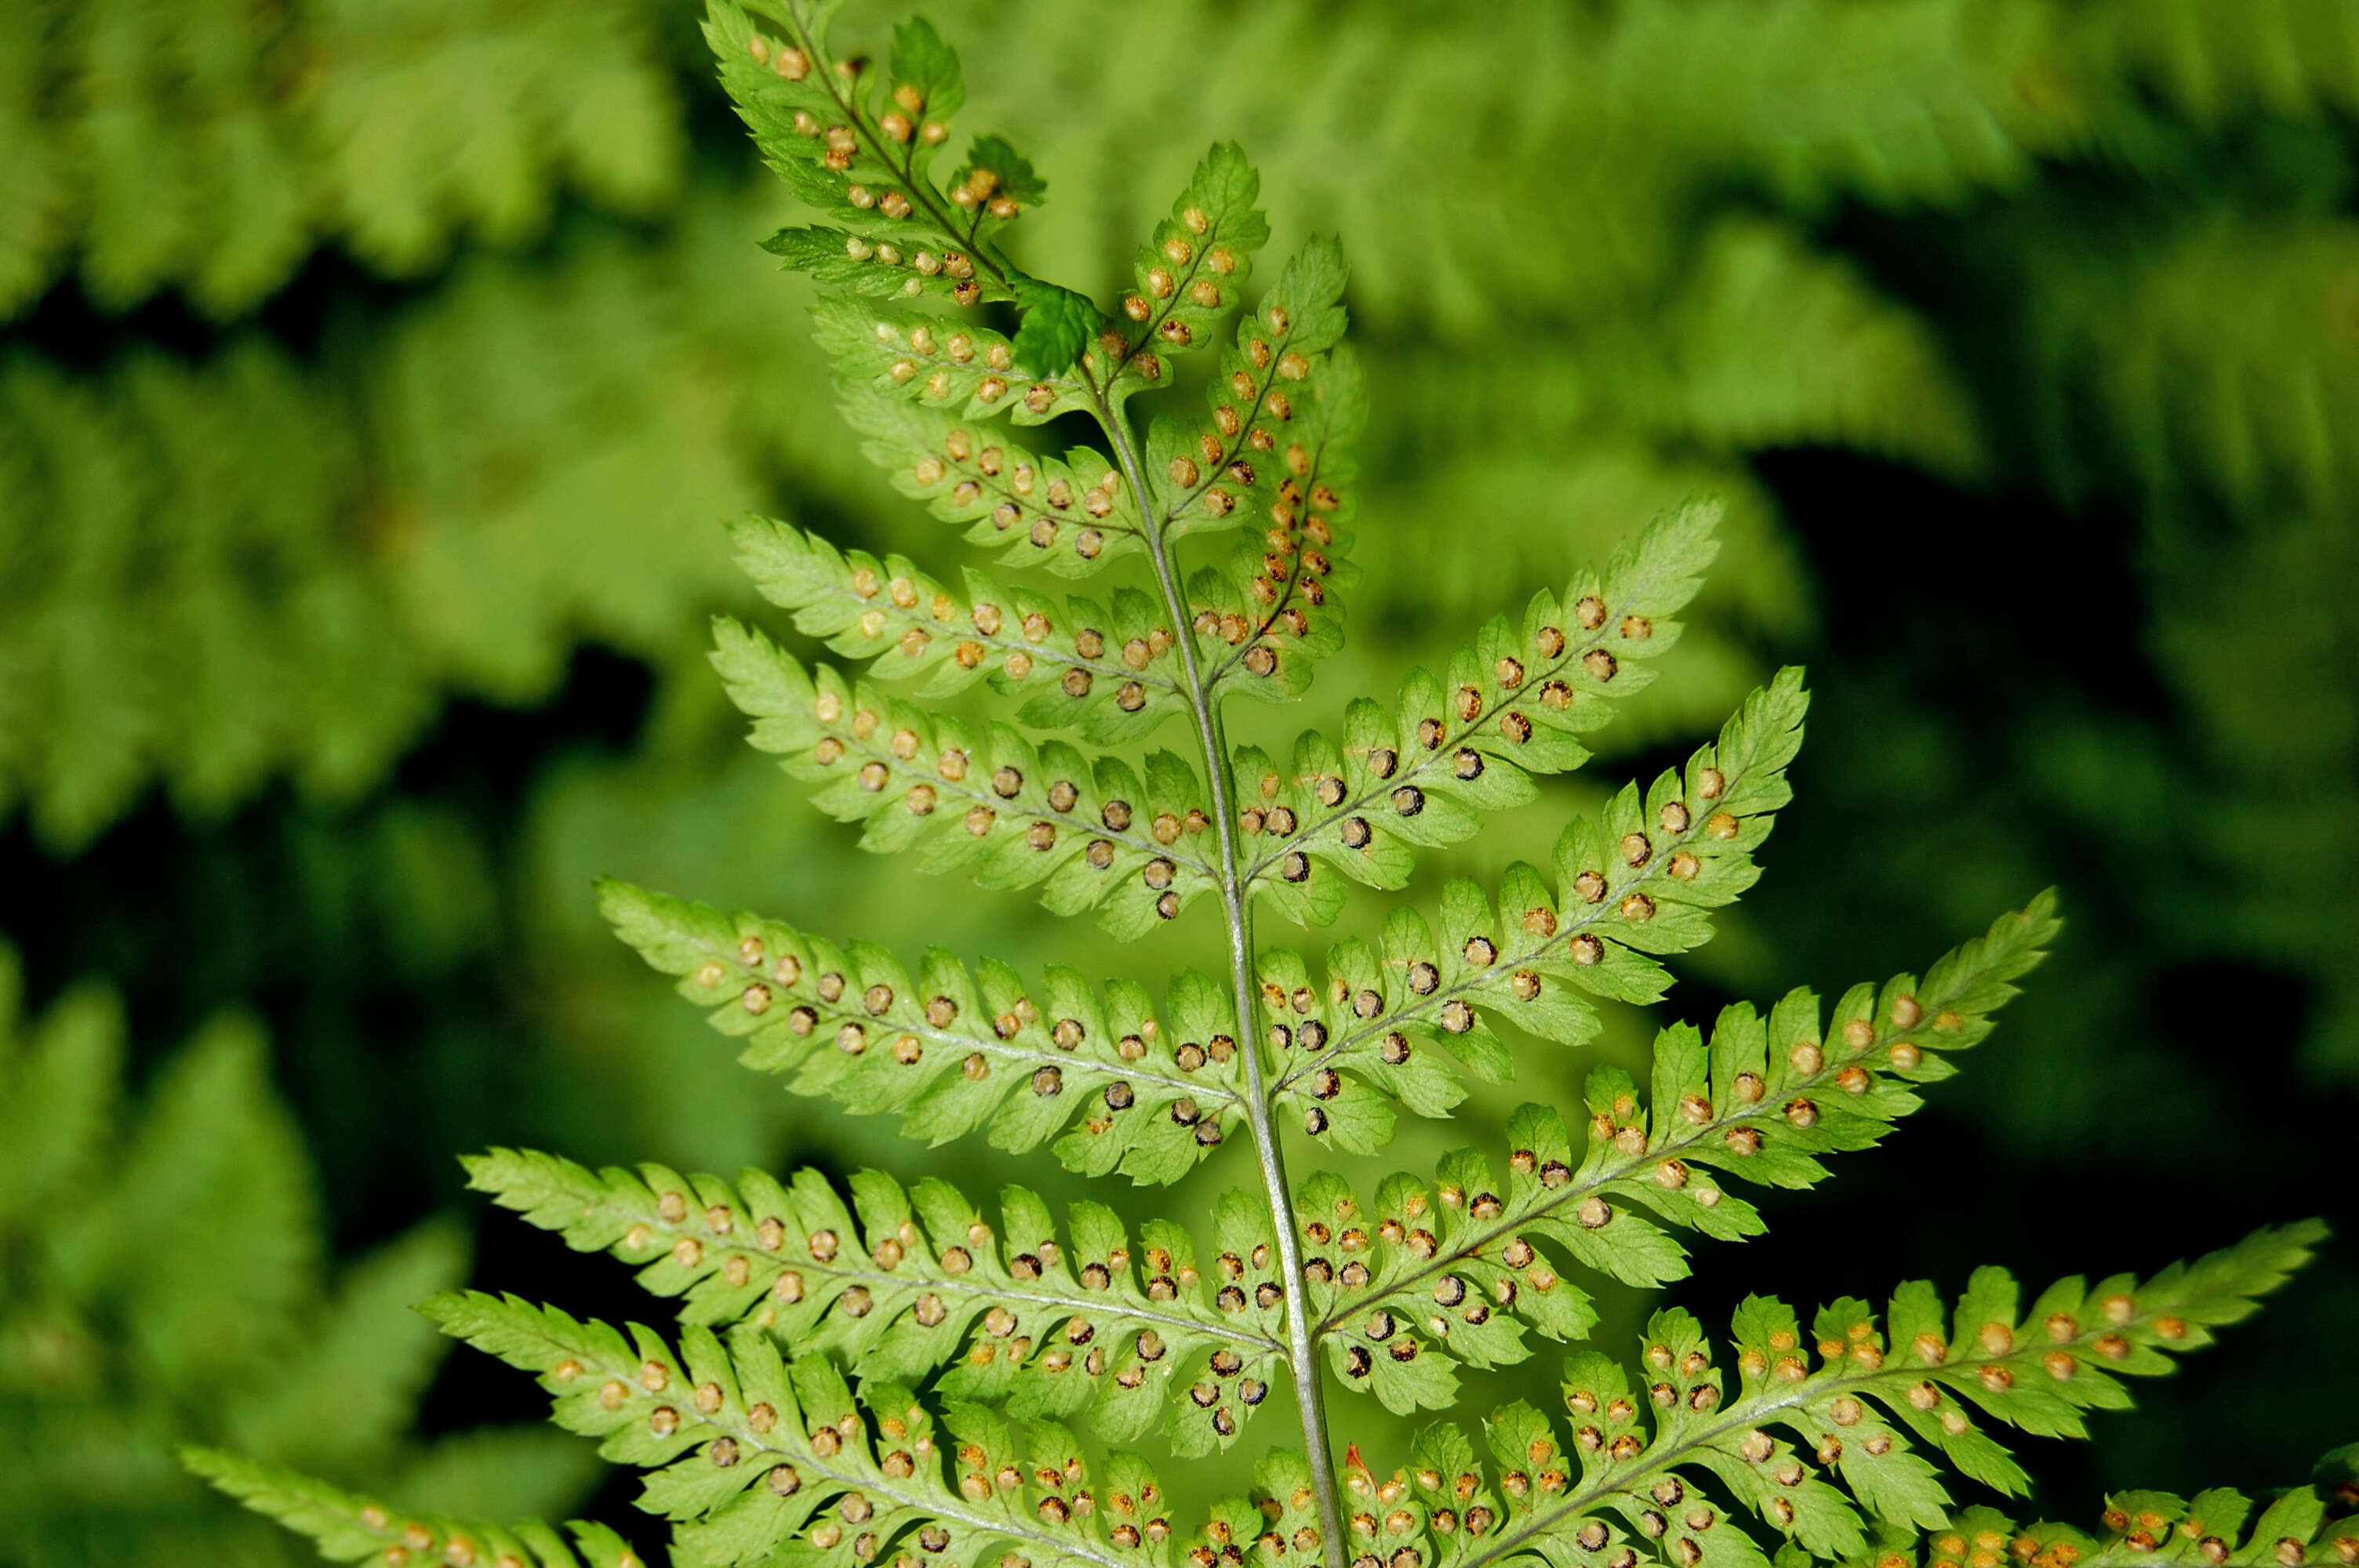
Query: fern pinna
point(897, 1375)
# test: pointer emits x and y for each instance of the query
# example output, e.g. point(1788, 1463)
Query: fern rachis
point(892, 1376)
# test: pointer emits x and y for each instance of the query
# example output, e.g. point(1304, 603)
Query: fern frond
point(1640, 880)
point(1509, 708)
point(2298, 1528)
point(404, 176)
point(1772, 343)
point(905, 1284)
point(208, 1230)
point(763, 1447)
point(355, 1376)
point(163, 1285)
point(1427, 1277)
point(1276, 1517)
point(351, 1529)
point(1883, 1405)
point(1109, 672)
point(188, 603)
point(1098, 835)
point(749, 1450)
point(952, 1050)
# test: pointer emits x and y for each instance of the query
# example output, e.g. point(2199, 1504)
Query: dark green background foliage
point(376, 380)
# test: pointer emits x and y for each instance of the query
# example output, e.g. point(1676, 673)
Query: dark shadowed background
point(375, 379)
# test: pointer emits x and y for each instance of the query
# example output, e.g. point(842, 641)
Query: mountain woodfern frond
point(889, 1374)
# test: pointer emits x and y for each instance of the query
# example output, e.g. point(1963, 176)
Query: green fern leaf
point(1191, 273)
point(360, 1372)
point(1274, 604)
point(1110, 672)
point(351, 1528)
point(1100, 837)
point(2136, 1529)
point(1058, 325)
point(949, 366)
point(209, 1230)
point(748, 1450)
point(1882, 1406)
point(878, 1369)
point(1685, 851)
point(1073, 514)
point(952, 1050)
point(57, 1088)
point(1430, 1275)
point(1510, 708)
point(2225, 310)
point(1214, 473)
point(164, 1286)
point(915, 1283)
point(860, 147)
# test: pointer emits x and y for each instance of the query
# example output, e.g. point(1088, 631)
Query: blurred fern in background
point(161, 1277)
point(374, 380)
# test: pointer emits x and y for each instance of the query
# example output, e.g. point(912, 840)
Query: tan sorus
point(874, 1372)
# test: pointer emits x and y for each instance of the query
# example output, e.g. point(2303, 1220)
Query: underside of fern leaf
point(867, 1372)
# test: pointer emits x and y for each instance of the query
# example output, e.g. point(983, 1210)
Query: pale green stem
point(1302, 1332)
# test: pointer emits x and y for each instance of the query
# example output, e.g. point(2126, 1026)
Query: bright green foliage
point(1622, 292)
point(2252, 424)
point(2294, 1530)
point(1880, 1402)
point(1763, 1102)
point(158, 144)
point(1052, 651)
point(173, 603)
point(1191, 273)
point(920, 1283)
point(883, 1371)
point(1636, 882)
point(1003, 491)
point(1103, 834)
point(2148, 202)
point(2294, 1526)
point(162, 1282)
point(859, 147)
point(756, 1449)
point(353, 1529)
point(953, 1050)
point(1510, 707)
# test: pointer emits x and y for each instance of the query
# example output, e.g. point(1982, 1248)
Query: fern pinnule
point(871, 1371)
